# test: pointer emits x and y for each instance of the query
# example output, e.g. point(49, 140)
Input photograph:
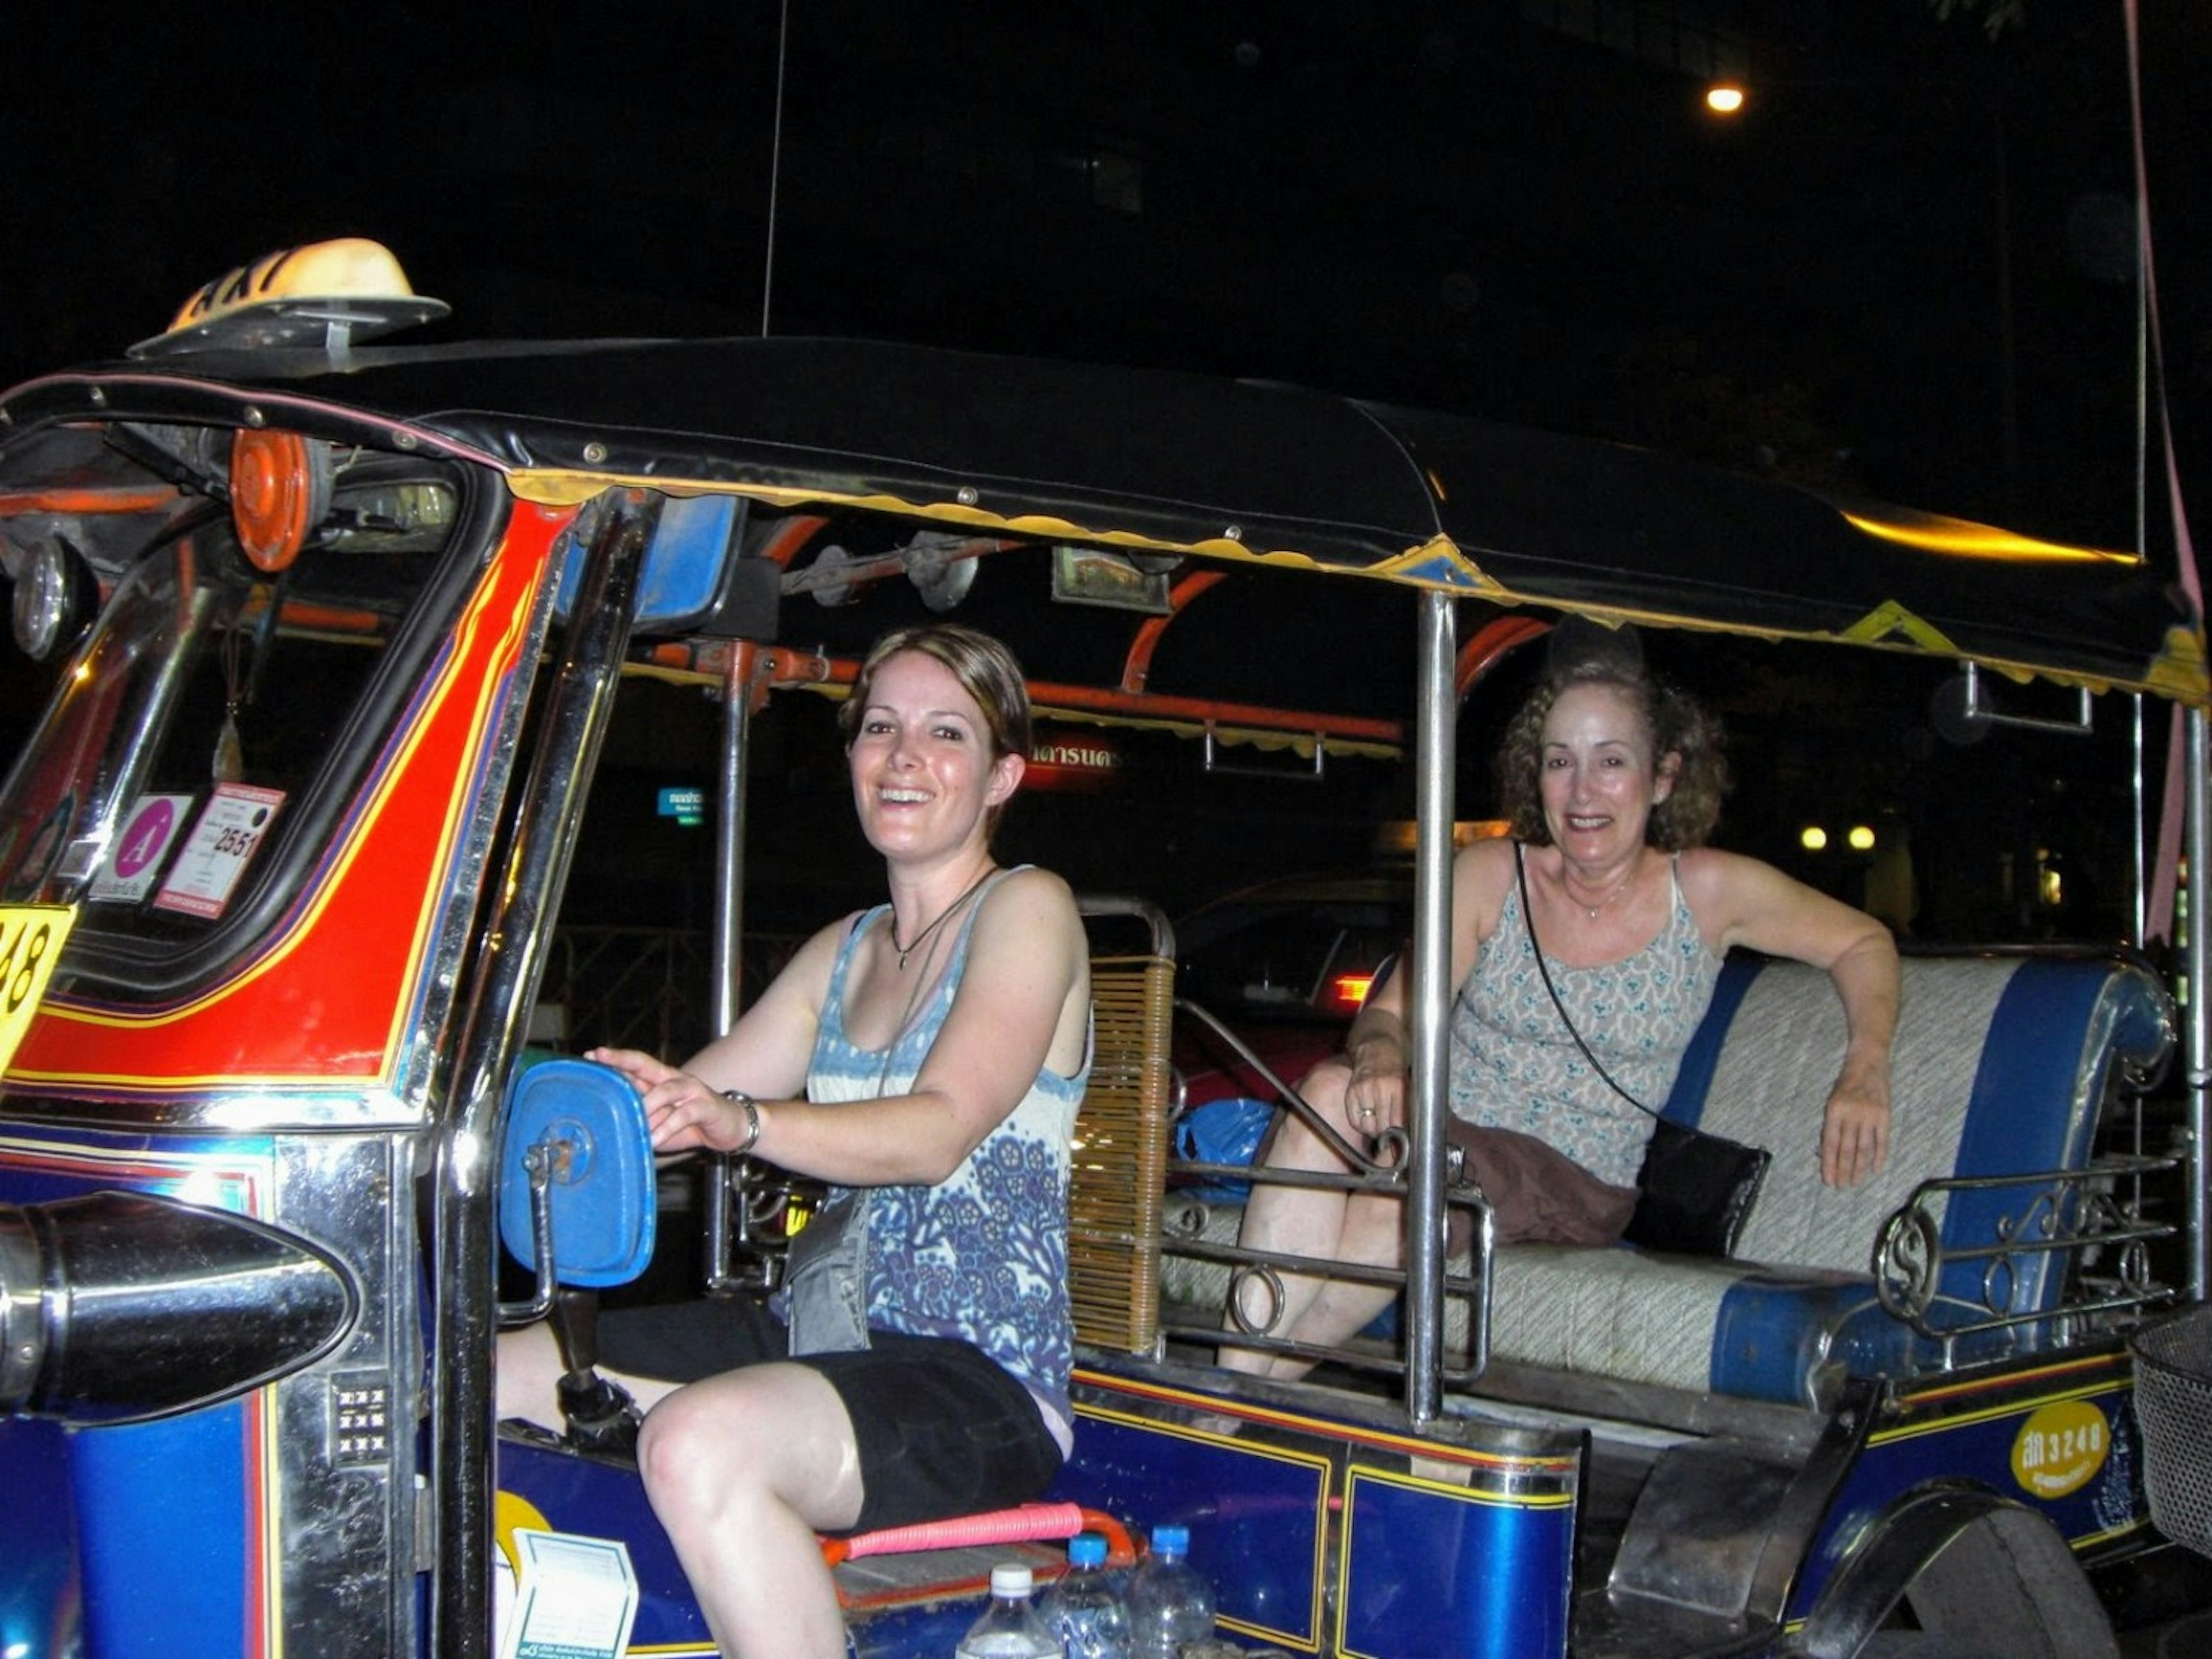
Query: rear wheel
point(2007, 1585)
point(1953, 1572)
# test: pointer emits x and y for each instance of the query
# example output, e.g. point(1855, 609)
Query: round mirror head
point(53, 599)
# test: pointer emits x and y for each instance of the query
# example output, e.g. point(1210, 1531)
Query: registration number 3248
point(31, 938)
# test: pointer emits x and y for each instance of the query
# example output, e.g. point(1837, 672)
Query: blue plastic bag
point(1222, 1132)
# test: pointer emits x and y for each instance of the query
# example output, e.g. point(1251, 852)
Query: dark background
point(1906, 265)
point(1907, 268)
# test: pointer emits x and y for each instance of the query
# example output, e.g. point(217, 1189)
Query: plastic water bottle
point(1170, 1605)
point(1009, 1628)
point(1083, 1610)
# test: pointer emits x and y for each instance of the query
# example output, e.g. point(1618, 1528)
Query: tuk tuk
point(339, 626)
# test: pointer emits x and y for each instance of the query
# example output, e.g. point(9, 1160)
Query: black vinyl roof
point(1243, 469)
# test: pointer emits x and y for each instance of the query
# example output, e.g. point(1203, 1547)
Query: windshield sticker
point(221, 844)
point(148, 835)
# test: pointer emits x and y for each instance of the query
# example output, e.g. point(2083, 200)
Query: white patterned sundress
point(1514, 1065)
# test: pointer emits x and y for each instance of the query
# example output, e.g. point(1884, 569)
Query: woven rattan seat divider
point(1114, 1192)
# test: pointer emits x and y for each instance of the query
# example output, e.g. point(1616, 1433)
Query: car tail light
point(1344, 992)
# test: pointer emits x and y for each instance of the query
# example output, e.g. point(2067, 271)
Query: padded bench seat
point(2002, 1066)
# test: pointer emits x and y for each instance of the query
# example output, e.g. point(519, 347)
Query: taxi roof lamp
point(695, 578)
point(321, 295)
point(576, 1185)
point(122, 1307)
point(54, 599)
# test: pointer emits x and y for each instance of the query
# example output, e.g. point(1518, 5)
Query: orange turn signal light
point(280, 486)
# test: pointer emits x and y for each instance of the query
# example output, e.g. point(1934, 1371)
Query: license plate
point(31, 938)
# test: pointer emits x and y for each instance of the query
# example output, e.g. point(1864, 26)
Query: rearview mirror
point(576, 1133)
point(694, 578)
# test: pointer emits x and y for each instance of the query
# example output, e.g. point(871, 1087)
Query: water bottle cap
point(1170, 1540)
point(1011, 1581)
point(1086, 1549)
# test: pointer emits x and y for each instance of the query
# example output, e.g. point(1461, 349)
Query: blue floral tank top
point(981, 1256)
point(1514, 1065)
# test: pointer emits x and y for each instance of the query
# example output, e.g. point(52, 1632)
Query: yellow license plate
point(31, 938)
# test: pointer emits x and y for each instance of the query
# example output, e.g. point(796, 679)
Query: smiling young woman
point(924, 1058)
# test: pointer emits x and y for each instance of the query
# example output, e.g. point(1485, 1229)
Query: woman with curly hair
point(1611, 782)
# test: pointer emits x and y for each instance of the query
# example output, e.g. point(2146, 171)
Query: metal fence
point(643, 988)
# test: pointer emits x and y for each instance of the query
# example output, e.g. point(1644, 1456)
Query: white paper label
point(575, 1598)
point(230, 831)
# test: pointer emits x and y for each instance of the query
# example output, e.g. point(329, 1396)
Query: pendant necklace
point(919, 938)
point(1591, 910)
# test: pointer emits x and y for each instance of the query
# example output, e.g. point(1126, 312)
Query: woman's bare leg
point(742, 1469)
point(1315, 1222)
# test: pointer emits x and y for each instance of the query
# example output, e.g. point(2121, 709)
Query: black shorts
point(942, 1428)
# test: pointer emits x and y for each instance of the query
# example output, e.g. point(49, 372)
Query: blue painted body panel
point(1257, 1515)
point(143, 1539)
point(167, 1535)
point(1974, 1446)
point(1314, 1540)
point(1433, 1570)
point(41, 1590)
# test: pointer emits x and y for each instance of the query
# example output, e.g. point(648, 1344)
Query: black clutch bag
point(1696, 1190)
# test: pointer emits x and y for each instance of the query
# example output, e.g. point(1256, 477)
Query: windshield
point(196, 752)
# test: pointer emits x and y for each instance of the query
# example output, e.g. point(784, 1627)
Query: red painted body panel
point(329, 998)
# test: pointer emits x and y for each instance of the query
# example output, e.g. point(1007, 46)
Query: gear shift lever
point(599, 1414)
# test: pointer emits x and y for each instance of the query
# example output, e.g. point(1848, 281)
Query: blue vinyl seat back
point(2002, 1066)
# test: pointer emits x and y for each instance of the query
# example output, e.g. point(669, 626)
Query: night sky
point(1514, 208)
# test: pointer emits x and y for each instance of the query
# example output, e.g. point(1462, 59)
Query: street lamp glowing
point(1724, 98)
point(1814, 839)
point(1862, 838)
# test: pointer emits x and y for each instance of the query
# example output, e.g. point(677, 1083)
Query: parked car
point(1284, 965)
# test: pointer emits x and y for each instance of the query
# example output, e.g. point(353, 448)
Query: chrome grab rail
point(1384, 1171)
point(1182, 1238)
point(2074, 1214)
